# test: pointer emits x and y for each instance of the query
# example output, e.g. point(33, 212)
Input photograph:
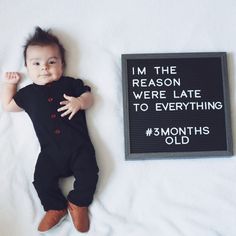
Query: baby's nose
point(44, 67)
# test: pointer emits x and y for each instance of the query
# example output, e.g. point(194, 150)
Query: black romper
point(66, 148)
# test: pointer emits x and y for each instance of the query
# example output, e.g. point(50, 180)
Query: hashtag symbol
point(149, 132)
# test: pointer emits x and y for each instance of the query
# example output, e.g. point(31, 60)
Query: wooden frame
point(201, 80)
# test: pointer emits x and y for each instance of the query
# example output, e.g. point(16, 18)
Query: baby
point(56, 104)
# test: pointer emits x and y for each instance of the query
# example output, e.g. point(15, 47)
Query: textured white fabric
point(192, 197)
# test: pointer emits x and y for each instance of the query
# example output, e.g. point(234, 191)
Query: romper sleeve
point(80, 88)
point(21, 98)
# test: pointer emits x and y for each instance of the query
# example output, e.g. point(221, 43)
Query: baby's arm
point(11, 80)
point(73, 104)
point(86, 100)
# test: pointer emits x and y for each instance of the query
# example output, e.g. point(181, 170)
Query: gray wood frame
point(165, 155)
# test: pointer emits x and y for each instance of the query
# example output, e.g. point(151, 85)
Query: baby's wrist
point(81, 104)
point(10, 84)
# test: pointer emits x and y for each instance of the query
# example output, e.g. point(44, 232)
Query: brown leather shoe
point(51, 219)
point(79, 217)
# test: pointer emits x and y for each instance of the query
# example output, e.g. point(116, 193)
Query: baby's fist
point(12, 77)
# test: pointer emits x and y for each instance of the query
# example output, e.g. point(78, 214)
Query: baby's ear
point(63, 65)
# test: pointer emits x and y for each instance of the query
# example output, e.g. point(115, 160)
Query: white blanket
point(182, 197)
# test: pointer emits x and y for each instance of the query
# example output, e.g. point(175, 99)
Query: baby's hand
point(71, 106)
point(12, 77)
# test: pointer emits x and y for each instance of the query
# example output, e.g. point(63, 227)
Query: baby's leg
point(85, 171)
point(45, 182)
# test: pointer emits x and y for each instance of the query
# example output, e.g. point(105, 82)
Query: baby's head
point(44, 57)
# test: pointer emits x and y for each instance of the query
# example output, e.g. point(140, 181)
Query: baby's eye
point(52, 62)
point(36, 63)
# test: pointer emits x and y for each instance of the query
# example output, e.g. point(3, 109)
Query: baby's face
point(44, 64)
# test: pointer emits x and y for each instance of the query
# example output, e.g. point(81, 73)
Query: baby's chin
point(44, 81)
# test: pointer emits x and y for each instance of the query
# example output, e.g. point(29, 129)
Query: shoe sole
point(70, 217)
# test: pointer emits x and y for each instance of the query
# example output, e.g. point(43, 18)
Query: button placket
point(53, 116)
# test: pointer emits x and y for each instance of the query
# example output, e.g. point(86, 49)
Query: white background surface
point(162, 197)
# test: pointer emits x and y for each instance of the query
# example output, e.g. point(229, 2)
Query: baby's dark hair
point(44, 38)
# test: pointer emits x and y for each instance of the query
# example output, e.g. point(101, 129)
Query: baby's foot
point(79, 217)
point(51, 219)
